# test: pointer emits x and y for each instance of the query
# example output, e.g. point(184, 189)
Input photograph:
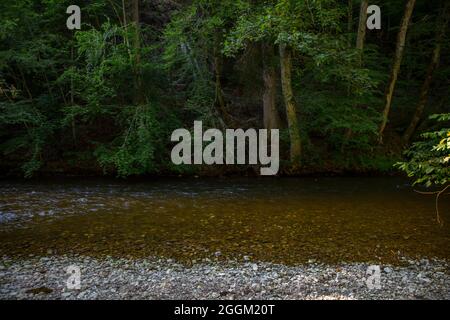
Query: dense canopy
point(107, 97)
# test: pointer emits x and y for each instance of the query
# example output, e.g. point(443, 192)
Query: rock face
point(153, 278)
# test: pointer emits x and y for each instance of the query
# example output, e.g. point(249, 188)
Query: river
point(281, 220)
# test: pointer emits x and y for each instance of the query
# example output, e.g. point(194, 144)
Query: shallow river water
point(285, 220)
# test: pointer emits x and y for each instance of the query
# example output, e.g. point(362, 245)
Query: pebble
point(155, 278)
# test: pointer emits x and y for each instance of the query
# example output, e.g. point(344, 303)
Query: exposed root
point(438, 194)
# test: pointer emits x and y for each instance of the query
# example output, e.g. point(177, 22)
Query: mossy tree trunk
point(400, 46)
point(362, 27)
point(291, 109)
point(270, 112)
point(434, 63)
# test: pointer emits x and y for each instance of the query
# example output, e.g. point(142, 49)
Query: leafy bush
point(429, 159)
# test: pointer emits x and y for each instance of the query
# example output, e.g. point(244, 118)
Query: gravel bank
point(45, 278)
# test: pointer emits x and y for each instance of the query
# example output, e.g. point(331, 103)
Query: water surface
point(288, 220)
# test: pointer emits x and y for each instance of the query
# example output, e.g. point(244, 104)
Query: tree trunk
point(72, 96)
point(350, 20)
point(396, 65)
point(271, 116)
point(135, 16)
point(139, 95)
point(434, 63)
point(286, 82)
point(218, 75)
point(362, 27)
point(219, 98)
point(360, 39)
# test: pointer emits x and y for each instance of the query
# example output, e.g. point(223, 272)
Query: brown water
point(288, 220)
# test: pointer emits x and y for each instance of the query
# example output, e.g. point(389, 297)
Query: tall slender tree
point(360, 39)
point(399, 49)
point(271, 116)
point(361, 35)
point(441, 27)
point(135, 15)
point(291, 108)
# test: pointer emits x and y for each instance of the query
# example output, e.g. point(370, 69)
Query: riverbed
point(329, 222)
point(290, 220)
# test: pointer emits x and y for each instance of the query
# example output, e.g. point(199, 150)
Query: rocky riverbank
point(111, 278)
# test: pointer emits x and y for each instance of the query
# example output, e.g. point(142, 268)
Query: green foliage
point(429, 159)
point(135, 153)
point(191, 39)
point(107, 97)
point(142, 147)
point(301, 24)
point(30, 141)
point(335, 94)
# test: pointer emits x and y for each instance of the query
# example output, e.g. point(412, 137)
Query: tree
point(135, 14)
point(270, 112)
point(297, 28)
point(138, 69)
point(361, 35)
point(441, 27)
point(429, 160)
point(399, 49)
point(291, 108)
point(360, 39)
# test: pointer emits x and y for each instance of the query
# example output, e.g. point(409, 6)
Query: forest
point(105, 99)
point(135, 134)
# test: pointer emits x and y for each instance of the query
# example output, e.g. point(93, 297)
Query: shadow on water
point(287, 220)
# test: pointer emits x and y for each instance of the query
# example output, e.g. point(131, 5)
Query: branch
point(438, 194)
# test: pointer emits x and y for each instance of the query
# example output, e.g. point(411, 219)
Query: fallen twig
point(438, 194)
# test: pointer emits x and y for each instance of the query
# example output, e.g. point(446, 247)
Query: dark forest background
point(106, 98)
